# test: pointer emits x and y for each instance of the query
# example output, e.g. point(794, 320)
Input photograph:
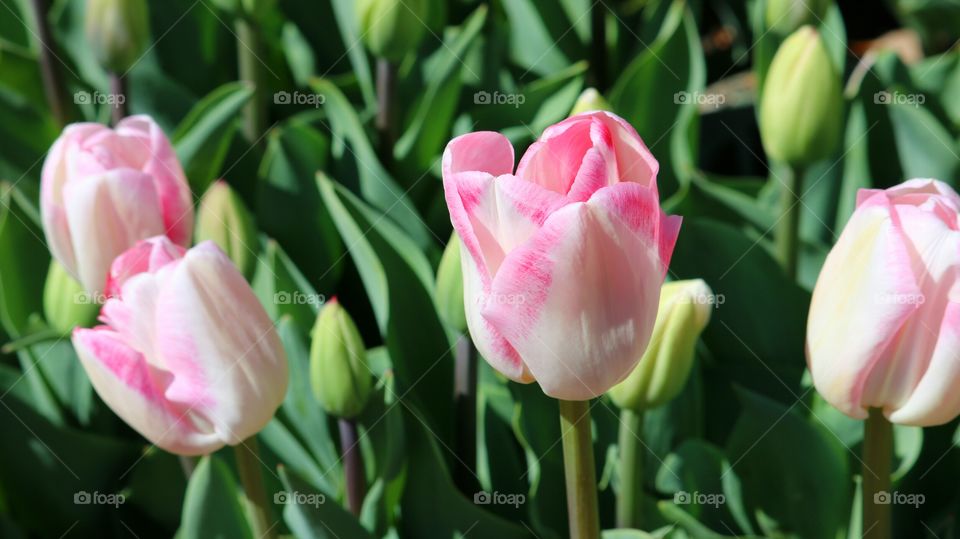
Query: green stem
point(248, 463)
point(386, 115)
point(877, 457)
point(251, 71)
point(465, 400)
point(630, 497)
point(579, 469)
point(788, 227)
point(53, 86)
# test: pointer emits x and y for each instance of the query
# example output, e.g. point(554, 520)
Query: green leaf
point(376, 186)
point(926, 148)
point(211, 505)
point(203, 137)
point(313, 515)
point(349, 25)
point(539, 34)
point(21, 276)
point(283, 290)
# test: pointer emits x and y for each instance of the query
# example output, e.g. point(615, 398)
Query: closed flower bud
point(392, 28)
point(224, 219)
point(66, 304)
point(450, 287)
point(660, 376)
point(783, 17)
point(589, 100)
point(118, 32)
point(339, 373)
point(801, 110)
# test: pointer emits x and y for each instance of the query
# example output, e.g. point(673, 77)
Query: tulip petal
point(107, 214)
point(212, 331)
point(483, 151)
point(578, 300)
point(146, 256)
point(857, 310)
point(129, 385)
point(554, 160)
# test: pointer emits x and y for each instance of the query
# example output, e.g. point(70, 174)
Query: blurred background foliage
point(336, 216)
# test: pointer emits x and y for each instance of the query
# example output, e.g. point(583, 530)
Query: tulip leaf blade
point(21, 275)
point(211, 506)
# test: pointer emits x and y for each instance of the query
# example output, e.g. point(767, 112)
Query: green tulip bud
point(392, 28)
point(589, 100)
point(662, 372)
point(801, 110)
point(66, 304)
point(339, 373)
point(449, 296)
point(783, 17)
point(225, 220)
point(118, 31)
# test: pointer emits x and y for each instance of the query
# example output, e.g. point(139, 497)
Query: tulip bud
point(118, 31)
point(783, 17)
point(589, 100)
point(224, 219)
point(450, 286)
point(659, 377)
point(66, 304)
point(801, 110)
point(392, 28)
point(339, 373)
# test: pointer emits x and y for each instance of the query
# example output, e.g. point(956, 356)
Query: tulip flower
point(563, 259)
point(224, 219)
point(449, 295)
point(118, 32)
point(392, 28)
point(782, 17)
point(102, 190)
point(883, 325)
point(882, 334)
point(187, 356)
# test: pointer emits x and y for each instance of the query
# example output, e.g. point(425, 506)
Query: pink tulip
point(563, 259)
point(187, 356)
point(884, 324)
point(104, 189)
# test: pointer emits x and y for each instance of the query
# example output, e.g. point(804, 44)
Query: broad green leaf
point(926, 148)
point(539, 35)
point(23, 269)
point(283, 290)
point(203, 137)
point(211, 505)
point(349, 25)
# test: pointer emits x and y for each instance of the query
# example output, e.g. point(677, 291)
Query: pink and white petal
point(57, 232)
point(578, 301)
point(635, 163)
point(128, 385)
point(858, 308)
point(599, 166)
point(935, 399)
point(214, 334)
point(554, 160)
point(147, 255)
point(489, 342)
point(109, 213)
point(56, 172)
point(482, 151)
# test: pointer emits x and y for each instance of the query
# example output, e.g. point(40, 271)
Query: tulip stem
point(877, 457)
point(118, 91)
point(598, 57)
point(630, 497)
point(465, 397)
point(250, 67)
point(53, 86)
point(788, 226)
point(352, 465)
point(248, 464)
point(386, 88)
point(579, 469)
